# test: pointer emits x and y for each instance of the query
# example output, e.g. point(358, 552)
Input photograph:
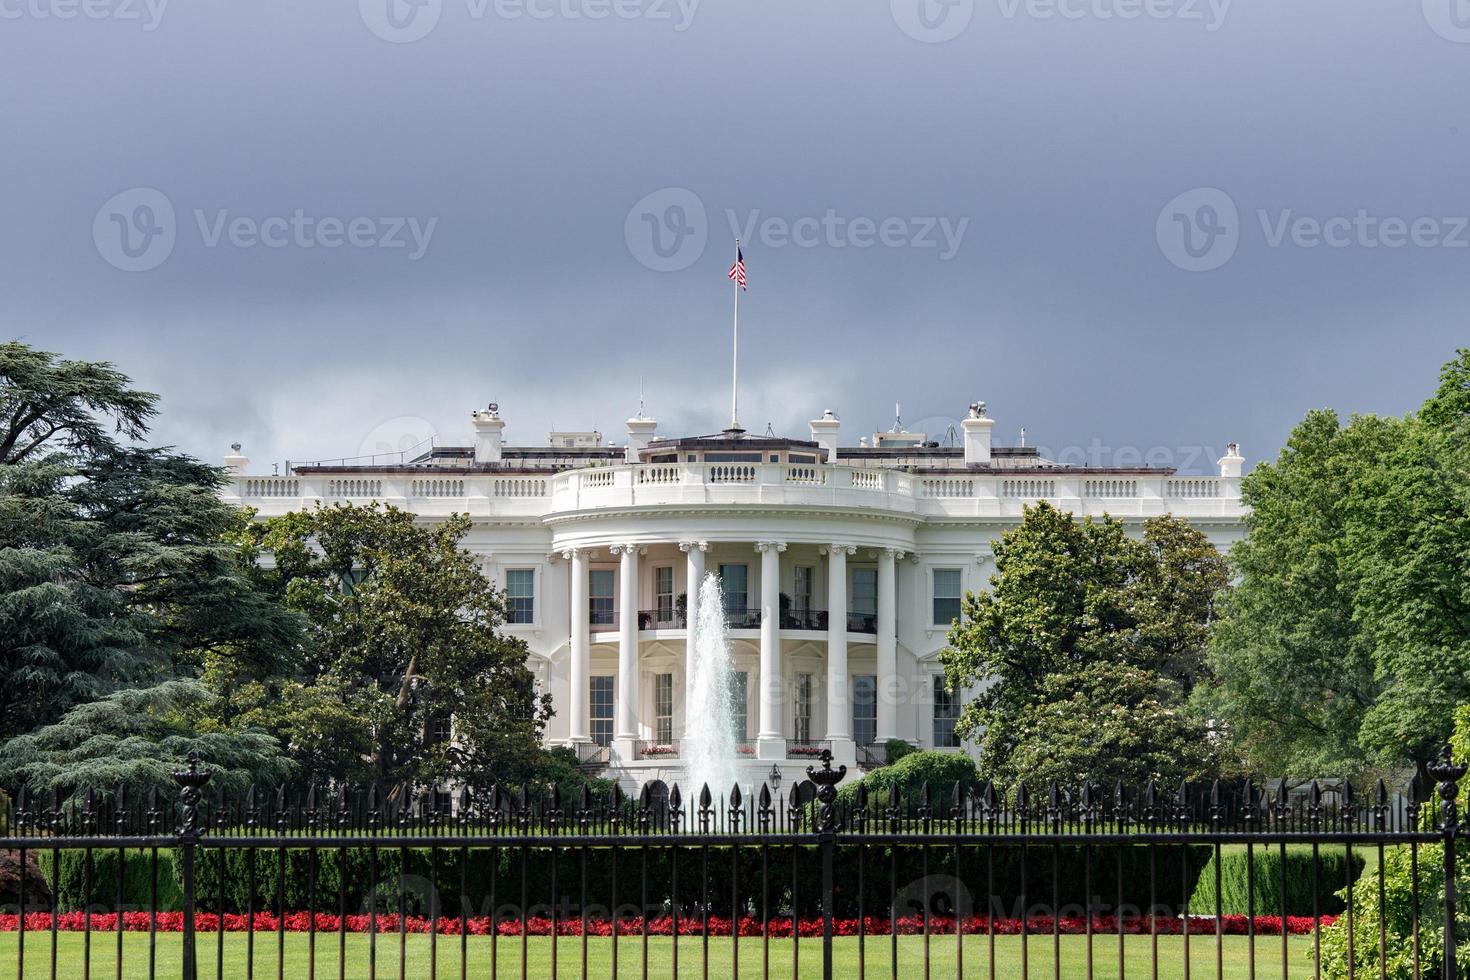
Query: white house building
point(842, 567)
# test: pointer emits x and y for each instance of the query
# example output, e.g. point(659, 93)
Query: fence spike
point(1023, 797)
point(705, 798)
point(735, 798)
point(676, 801)
point(765, 798)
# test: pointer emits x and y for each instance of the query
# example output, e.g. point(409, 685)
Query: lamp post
point(775, 778)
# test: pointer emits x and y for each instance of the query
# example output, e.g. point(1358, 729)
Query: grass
point(1236, 951)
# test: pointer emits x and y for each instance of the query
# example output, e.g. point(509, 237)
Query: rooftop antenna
point(897, 417)
point(640, 396)
point(951, 437)
point(770, 431)
point(1023, 437)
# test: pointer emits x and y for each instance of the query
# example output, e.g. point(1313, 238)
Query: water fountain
point(708, 750)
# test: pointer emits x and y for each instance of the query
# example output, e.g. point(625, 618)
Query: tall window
point(600, 596)
point(803, 727)
point(738, 708)
point(601, 702)
point(801, 593)
point(946, 596)
point(520, 595)
point(864, 601)
point(864, 709)
point(734, 581)
point(946, 713)
point(663, 593)
point(663, 708)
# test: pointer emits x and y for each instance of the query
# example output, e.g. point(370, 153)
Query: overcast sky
point(326, 227)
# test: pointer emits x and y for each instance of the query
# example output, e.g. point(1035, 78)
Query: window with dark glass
point(600, 701)
point(802, 730)
point(946, 596)
point(801, 591)
point(864, 709)
point(663, 708)
point(663, 593)
point(734, 583)
point(863, 603)
point(946, 713)
point(601, 601)
point(520, 595)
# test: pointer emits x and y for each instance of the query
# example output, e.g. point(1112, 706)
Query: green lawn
point(599, 957)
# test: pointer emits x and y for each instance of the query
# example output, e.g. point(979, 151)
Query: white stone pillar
point(578, 679)
point(770, 740)
point(839, 719)
point(887, 644)
point(625, 730)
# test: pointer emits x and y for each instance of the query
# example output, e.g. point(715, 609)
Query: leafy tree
point(1083, 626)
point(1346, 644)
point(404, 638)
point(115, 566)
point(137, 738)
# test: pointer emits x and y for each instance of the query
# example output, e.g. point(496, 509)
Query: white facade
point(597, 546)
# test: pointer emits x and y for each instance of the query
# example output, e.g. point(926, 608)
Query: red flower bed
point(1234, 925)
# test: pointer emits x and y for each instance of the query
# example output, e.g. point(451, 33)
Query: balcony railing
point(862, 622)
point(744, 618)
point(661, 619)
point(801, 749)
point(656, 750)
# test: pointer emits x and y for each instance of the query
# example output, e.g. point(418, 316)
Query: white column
point(693, 579)
point(770, 740)
point(839, 719)
point(578, 679)
point(887, 644)
point(625, 730)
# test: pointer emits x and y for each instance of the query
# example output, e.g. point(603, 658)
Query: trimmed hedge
point(1234, 883)
point(71, 884)
point(794, 875)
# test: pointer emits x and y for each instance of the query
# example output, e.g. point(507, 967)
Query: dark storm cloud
point(1138, 225)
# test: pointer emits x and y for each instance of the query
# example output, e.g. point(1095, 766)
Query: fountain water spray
point(709, 750)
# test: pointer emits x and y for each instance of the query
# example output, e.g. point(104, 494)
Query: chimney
point(489, 434)
point(640, 434)
point(234, 462)
point(824, 433)
point(1230, 466)
point(977, 436)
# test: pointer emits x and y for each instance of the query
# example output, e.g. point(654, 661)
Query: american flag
point(737, 271)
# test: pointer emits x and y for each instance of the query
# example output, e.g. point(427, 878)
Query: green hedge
point(71, 884)
point(1235, 890)
point(792, 881)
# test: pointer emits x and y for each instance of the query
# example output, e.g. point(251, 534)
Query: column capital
point(833, 549)
point(688, 546)
point(764, 546)
point(628, 549)
point(897, 554)
point(567, 554)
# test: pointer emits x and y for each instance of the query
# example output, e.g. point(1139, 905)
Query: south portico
point(801, 604)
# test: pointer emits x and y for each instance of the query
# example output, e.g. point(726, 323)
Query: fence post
point(826, 780)
point(191, 781)
point(1448, 774)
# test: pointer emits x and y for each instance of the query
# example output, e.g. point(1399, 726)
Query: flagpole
point(735, 354)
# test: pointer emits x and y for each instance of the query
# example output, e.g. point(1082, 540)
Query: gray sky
point(1156, 224)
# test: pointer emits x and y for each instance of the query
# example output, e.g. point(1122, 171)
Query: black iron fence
point(1217, 880)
